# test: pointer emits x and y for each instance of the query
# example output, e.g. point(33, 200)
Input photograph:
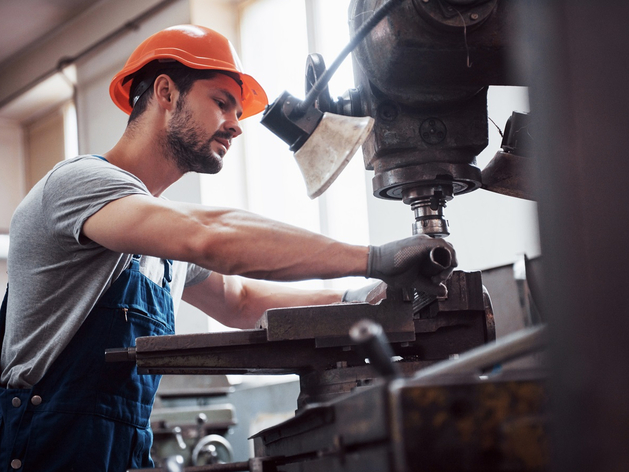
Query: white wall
point(101, 123)
point(12, 179)
point(11, 182)
point(83, 31)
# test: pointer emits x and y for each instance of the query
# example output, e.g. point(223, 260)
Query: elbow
point(205, 251)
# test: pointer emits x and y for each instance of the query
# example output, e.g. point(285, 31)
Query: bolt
point(474, 16)
point(387, 111)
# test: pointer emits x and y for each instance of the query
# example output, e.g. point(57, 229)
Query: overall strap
point(168, 269)
point(3, 316)
point(168, 273)
point(135, 262)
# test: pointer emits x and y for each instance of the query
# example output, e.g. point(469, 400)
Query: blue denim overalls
point(85, 414)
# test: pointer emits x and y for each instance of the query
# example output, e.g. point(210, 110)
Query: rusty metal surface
point(243, 337)
point(336, 320)
point(282, 357)
point(465, 293)
point(455, 423)
point(427, 54)
point(511, 175)
point(436, 338)
point(423, 75)
point(329, 385)
point(482, 426)
point(314, 342)
point(489, 356)
point(319, 428)
point(372, 459)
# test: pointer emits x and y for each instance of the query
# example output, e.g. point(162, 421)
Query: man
point(78, 284)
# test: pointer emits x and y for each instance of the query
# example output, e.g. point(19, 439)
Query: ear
point(165, 91)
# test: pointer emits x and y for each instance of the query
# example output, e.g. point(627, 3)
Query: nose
point(233, 126)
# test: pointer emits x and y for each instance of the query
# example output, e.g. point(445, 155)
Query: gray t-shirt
point(56, 275)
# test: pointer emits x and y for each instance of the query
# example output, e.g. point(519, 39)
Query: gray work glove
point(420, 262)
point(368, 293)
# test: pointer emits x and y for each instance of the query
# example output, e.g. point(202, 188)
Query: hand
point(420, 262)
point(371, 293)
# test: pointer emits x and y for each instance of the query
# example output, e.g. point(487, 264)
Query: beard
point(189, 147)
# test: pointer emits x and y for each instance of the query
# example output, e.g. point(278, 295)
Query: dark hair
point(183, 77)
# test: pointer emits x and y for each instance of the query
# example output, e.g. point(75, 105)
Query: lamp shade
point(327, 151)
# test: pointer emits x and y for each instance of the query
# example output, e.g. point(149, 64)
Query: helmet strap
point(149, 73)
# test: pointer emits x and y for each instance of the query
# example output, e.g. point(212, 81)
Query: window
point(276, 37)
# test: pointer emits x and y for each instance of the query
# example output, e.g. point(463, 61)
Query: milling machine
point(422, 75)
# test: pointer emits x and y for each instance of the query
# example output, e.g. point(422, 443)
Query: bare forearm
point(239, 302)
point(260, 296)
point(227, 241)
point(237, 242)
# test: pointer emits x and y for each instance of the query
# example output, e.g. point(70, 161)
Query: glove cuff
point(360, 294)
point(370, 260)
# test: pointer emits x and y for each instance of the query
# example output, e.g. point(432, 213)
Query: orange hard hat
point(196, 47)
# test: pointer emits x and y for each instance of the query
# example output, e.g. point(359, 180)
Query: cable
point(363, 31)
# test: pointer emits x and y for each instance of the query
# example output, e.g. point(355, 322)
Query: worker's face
point(203, 125)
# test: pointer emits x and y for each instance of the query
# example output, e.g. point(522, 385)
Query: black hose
point(363, 31)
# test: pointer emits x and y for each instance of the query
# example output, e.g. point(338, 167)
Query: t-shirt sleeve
point(77, 189)
point(196, 274)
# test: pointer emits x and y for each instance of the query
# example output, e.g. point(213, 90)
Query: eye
point(221, 104)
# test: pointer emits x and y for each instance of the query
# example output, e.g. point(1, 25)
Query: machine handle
point(120, 354)
point(363, 31)
point(371, 339)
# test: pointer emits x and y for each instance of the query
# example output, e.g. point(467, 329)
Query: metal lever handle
point(201, 420)
point(179, 437)
point(175, 464)
point(371, 339)
point(120, 354)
